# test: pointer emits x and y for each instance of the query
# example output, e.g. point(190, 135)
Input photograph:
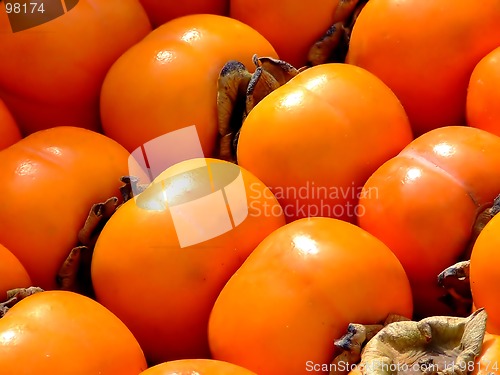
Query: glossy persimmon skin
point(9, 132)
point(425, 51)
point(483, 94)
point(168, 81)
point(140, 256)
point(297, 292)
point(196, 366)
point(12, 273)
point(428, 198)
point(61, 333)
point(50, 180)
point(485, 273)
point(315, 140)
point(161, 11)
point(51, 75)
point(292, 27)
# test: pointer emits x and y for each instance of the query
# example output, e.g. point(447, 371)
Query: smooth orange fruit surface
point(172, 248)
point(161, 11)
point(9, 132)
point(62, 333)
point(483, 96)
point(428, 198)
point(425, 51)
point(12, 273)
point(297, 292)
point(196, 367)
point(292, 27)
point(50, 180)
point(168, 81)
point(51, 74)
point(485, 273)
point(315, 140)
point(488, 361)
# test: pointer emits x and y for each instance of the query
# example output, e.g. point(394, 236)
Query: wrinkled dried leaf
point(239, 91)
point(441, 344)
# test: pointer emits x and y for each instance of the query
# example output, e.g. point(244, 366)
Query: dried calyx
point(334, 44)
point(434, 345)
point(74, 274)
point(455, 279)
point(238, 93)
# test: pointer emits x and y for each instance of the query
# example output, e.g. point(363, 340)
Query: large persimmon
point(315, 140)
point(168, 81)
point(50, 180)
point(164, 256)
point(425, 51)
point(62, 333)
point(427, 202)
point(51, 74)
point(298, 291)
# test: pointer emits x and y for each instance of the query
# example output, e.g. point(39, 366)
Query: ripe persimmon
point(172, 248)
point(62, 333)
point(483, 95)
point(428, 199)
point(168, 81)
point(315, 140)
point(9, 132)
point(425, 51)
point(161, 11)
point(298, 291)
point(50, 180)
point(51, 74)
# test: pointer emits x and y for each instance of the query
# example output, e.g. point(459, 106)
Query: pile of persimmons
point(222, 186)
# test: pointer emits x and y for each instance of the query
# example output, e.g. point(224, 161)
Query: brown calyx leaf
point(334, 44)
point(434, 345)
point(16, 295)
point(74, 274)
point(239, 91)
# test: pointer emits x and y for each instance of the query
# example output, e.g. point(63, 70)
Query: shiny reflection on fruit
point(444, 149)
point(305, 245)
